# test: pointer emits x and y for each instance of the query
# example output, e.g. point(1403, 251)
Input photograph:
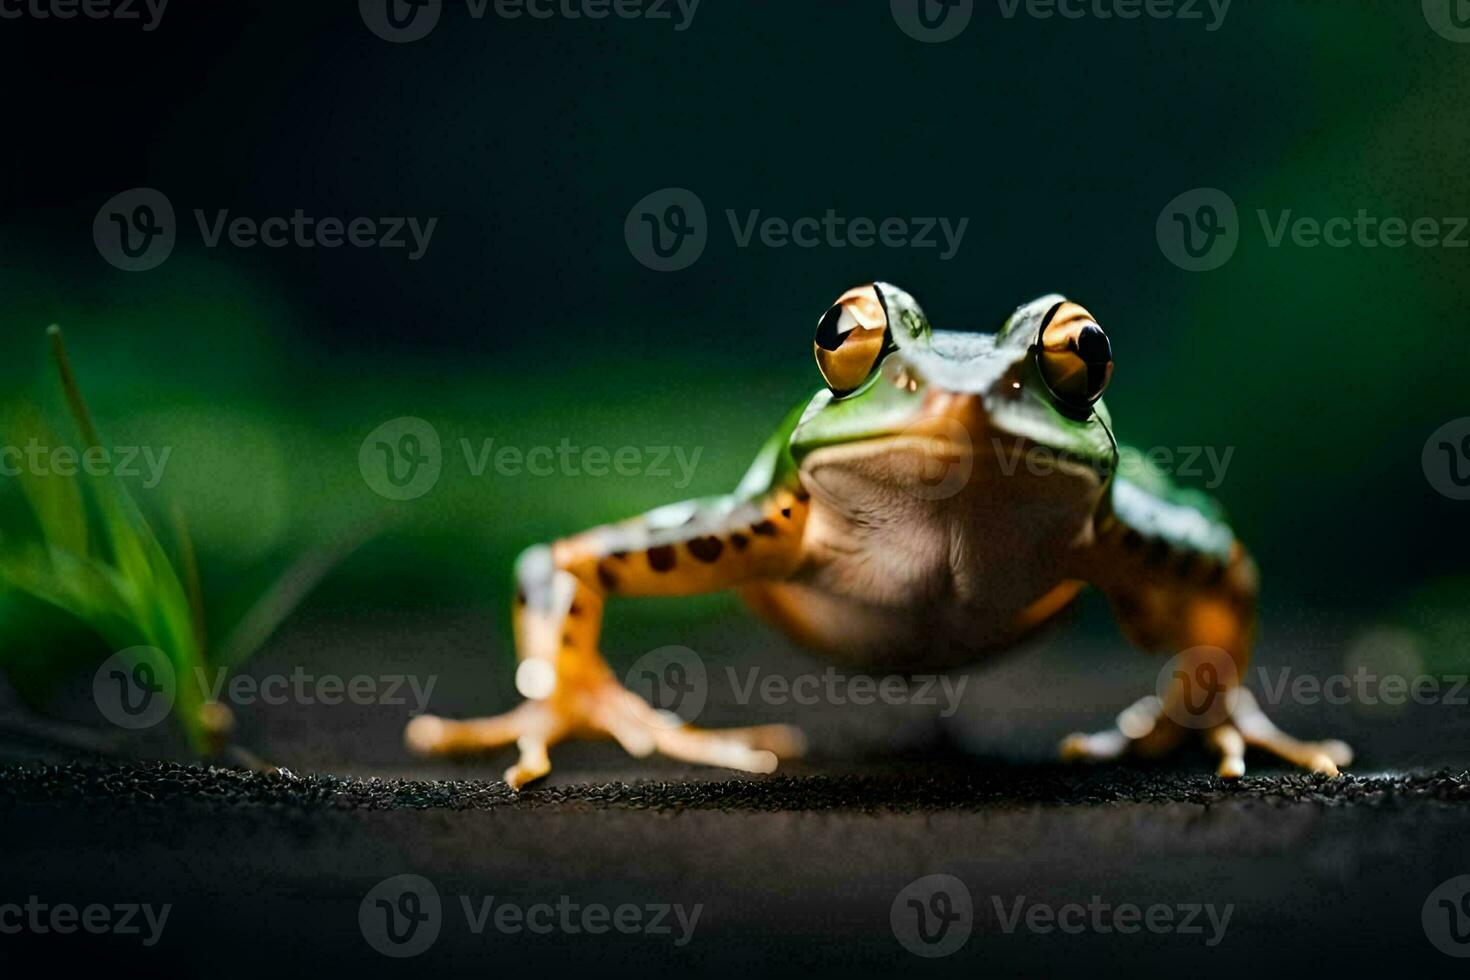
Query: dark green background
point(529, 321)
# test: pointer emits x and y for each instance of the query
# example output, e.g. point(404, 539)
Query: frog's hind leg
point(696, 546)
point(1172, 593)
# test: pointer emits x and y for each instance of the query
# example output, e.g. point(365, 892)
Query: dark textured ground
point(795, 873)
point(923, 787)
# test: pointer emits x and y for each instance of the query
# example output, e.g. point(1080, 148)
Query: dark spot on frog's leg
point(620, 555)
point(1158, 552)
point(706, 549)
point(1132, 540)
point(1215, 574)
point(574, 611)
point(765, 528)
point(1186, 565)
point(606, 577)
point(739, 541)
point(566, 640)
point(661, 557)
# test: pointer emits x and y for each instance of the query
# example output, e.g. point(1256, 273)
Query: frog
point(941, 498)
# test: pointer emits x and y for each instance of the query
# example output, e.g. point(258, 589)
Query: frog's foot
point(1326, 756)
point(1145, 728)
point(605, 711)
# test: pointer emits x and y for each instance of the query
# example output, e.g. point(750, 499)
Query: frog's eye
point(1074, 356)
point(851, 337)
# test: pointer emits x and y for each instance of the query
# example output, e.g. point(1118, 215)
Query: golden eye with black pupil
point(1074, 356)
point(851, 338)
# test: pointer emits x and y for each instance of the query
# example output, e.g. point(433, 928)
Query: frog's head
point(904, 401)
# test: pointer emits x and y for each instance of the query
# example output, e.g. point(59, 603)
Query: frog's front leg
point(571, 692)
point(1170, 594)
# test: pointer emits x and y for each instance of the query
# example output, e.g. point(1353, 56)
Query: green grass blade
point(54, 499)
point(123, 524)
point(160, 606)
point(189, 563)
point(81, 586)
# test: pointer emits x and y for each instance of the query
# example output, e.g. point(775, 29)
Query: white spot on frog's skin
point(1152, 518)
point(535, 679)
point(535, 564)
point(671, 515)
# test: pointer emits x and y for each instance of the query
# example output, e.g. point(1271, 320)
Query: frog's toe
point(1328, 756)
point(534, 762)
point(1138, 728)
point(783, 741)
point(1227, 743)
point(1095, 746)
point(435, 736)
point(716, 749)
point(755, 749)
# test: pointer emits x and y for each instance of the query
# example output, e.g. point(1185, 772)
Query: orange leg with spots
point(570, 691)
point(1169, 597)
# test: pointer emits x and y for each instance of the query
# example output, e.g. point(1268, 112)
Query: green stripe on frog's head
point(907, 324)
